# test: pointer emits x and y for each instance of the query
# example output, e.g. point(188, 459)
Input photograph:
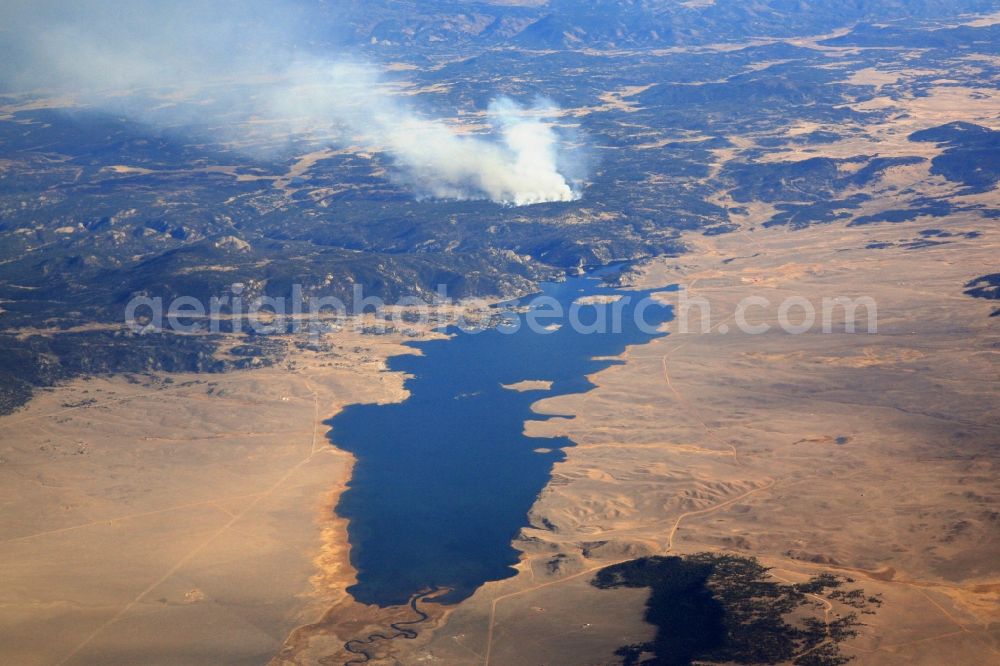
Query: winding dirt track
point(669, 548)
point(677, 523)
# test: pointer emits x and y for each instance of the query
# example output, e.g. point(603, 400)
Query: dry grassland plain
point(868, 456)
point(189, 518)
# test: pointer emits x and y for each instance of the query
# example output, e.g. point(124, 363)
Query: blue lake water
point(444, 480)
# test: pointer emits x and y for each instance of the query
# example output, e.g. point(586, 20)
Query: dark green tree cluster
point(723, 608)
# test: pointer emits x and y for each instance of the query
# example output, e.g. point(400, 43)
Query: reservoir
point(444, 480)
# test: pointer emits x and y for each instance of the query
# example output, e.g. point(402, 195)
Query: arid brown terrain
point(158, 517)
point(182, 510)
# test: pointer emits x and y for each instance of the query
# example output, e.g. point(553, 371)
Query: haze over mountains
point(108, 193)
point(808, 479)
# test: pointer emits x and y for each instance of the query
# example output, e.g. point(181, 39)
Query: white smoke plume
point(243, 59)
point(517, 165)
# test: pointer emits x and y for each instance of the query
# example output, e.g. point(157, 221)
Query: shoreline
point(731, 444)
point(708, 463)
point(179, 510)
point(341, 619)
